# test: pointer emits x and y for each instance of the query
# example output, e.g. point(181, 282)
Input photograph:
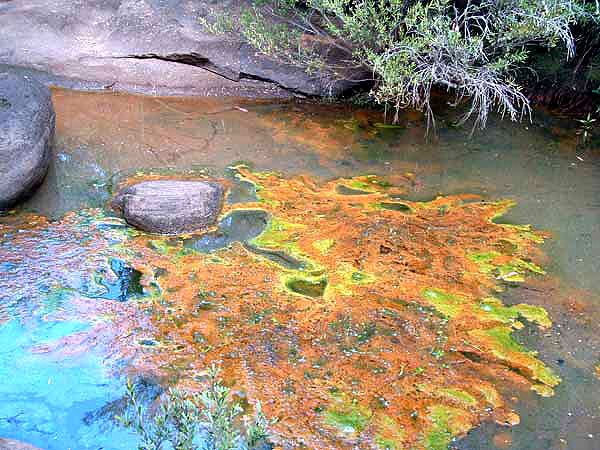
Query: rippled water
point(57, 278)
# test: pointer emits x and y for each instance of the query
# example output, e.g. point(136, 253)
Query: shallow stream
point(73, 276)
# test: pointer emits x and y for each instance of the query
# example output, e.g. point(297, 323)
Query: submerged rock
point(170, 206)
point(26, 133)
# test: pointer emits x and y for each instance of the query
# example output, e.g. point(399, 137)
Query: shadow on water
point(241, 226)
point(238, 226)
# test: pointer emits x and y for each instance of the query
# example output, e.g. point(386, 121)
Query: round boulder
point(170, 206)
point(26, 134)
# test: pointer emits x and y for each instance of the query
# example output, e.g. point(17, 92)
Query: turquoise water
point(46, 402)
point(53, 359)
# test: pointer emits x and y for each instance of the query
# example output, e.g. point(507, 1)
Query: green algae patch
point(484, 260)
point(370, 183)
point(523, 233)
point(456, 396)
point(283, 236)
point(534, 313)
point(390, 435)
point(309, 287)
point(342, 189)
point(502, 345)
point(351, 275)
point(360, 277)
point(502, 207)
point(447, 304)
point(496, 263)
point(543, 390)
point(324, 245)
point(279, 234)
point(459, 396)
point(445, 423)
point(516, 270)
point(347, 415)
point(395, 206)
point(494, 309)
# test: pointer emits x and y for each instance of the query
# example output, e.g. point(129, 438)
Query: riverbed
point(73, 275)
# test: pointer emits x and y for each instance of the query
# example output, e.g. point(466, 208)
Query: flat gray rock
point(11, 444)
point(26, 134)
point(151, 46)
point(170, 206)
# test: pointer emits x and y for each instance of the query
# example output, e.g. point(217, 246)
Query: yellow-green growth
point(525, 234)
point(503, 346)
point(282, 235)
point(543, 390)
point(347, 415)
point(458, 396)
point(514, 271)
point(503, 206)
point(160, 246)
point(390, 435)
point(446, 422)
point(279, 234)
point(354, 276)
point(447, 304)
point(323, 245)
point(490, 394)
point(306, 285)
point(534, 313)
point(493, 309)
point(484, 260)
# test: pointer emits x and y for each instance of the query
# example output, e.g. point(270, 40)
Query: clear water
point(53, 381)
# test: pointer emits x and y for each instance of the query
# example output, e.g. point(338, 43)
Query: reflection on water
point(56, 278)
point(53, 344)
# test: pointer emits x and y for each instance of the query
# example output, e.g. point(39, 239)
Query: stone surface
point(153, 46)
point(170, 206)
point(11, 444)
point(26, 134)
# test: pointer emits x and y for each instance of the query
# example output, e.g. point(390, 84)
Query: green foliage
point(180, 418)
point(410, 46)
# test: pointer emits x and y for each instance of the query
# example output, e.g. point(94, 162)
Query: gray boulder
point(11, 444)
point(170, 206)
point(155, 46)
point(26, 134)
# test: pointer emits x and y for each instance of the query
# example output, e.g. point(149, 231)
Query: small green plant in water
point(585, 129)
point(181, 418)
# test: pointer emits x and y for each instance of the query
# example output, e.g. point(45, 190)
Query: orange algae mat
point(385, 334)
point(376, 325)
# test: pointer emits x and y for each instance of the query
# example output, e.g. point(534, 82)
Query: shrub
point(181, 418)
point(471, 48)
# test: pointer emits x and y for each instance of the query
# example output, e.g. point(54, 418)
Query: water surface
point(50, 274)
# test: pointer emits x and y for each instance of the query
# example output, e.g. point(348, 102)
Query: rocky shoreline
point(143, 46)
